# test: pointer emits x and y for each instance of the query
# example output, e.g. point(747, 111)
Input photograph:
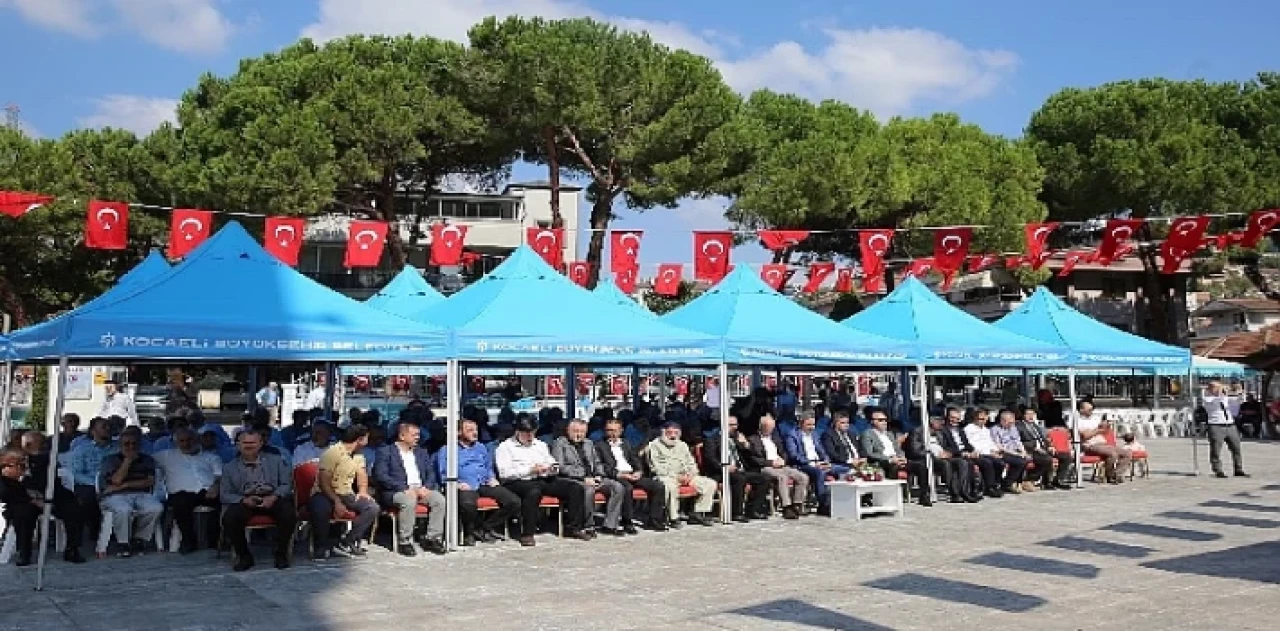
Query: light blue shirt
point(86, 461)
point(1007, 439)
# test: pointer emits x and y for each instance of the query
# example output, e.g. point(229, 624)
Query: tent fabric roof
point(526, 312)
point(944, 335)
point(609, 291)
point(232, 301)
point(1047, 318)
point(761, 326)
point(1203, 366)
point(407, 294)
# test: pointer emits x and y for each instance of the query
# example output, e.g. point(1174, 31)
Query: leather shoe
point(527, 541)
point(580, 535)
point(1219, 474)
point(434, 546)
point(630, 529)
point(467, 541)
point(1241, 474)
point(405, 548)
point(23, 560)
point(613, 532)
point(282, 562)
point(741, 519)
point(72, 555)
point(243, 563)
point(790, 513)
point(658, 527)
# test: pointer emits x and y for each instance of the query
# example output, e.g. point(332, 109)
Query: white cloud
point(187, 26)
point(138, 114)
point(886, 70)
point(71, 16)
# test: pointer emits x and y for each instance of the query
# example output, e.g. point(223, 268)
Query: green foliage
point(661, 305)
point(38, 414)
point(847, 305)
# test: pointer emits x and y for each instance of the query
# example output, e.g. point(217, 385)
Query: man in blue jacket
point(806, 453)
point(405, 479)
point(476, 479)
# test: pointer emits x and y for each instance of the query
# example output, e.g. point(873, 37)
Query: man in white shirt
point(1093, 430)
point(526, 468)
point(979, 436)
point(268, 398)
point(766, 452)
point(118, 403)
point(1222, 428)
point(881, 448)
point(311, 451)
point(315, 398)
point(191, 479)
point(712, 396)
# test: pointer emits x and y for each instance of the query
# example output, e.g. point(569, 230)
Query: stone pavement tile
point(212, 603)
point(23, 608)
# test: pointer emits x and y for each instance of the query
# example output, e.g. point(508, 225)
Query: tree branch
point(586, 159)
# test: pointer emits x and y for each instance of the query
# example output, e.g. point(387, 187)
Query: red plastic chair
point(548, 503)
point(304, 481)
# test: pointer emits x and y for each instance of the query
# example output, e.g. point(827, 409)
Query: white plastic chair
point(9, 545)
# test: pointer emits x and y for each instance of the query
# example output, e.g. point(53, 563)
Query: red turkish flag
point(1117, 234)
point(187, 230)
point(873, 283)
point(667, 281)
point(1015, 261)
point(919, 267)
point(711, 255)
point(555, 386)
point(775, 275)
point(18, 203)
point(844, 280)
point(1187, 233)
point(818, 273)
point(107, 226)
point(626, 280)
point(1037, 235)
point(548, 243)
point(682, 385)
point(283, 238)
point(874, 245)
point(365, 241)
point(624, 251)
point(1171, 257)
point(1261, 222)
point(950, 247)
point(618, 385)
point(579, 272)
point(469, 258)
point(1074, 257)
point(585, 380)
point(979, 262)
point(446, 244)
point(777, 240)
point(947, 277)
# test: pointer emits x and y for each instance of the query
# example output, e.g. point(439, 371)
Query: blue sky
point(70, 63)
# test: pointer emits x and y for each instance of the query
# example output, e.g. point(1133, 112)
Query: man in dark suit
point(841, 446)
point(405, 479)
point(805, 452)
point(622, 464)
point(1036, 442)
point(956, 471)
point(954, 441)
point(767, 454)
point(744, 504)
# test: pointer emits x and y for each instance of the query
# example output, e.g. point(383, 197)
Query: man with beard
point(673, 464)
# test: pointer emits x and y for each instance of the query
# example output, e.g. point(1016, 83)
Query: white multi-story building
point(1223, 317)
point(496, 225)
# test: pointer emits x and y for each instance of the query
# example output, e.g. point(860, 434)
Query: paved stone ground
point(1170, 552)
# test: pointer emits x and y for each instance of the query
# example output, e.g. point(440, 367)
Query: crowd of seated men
point(609, 474)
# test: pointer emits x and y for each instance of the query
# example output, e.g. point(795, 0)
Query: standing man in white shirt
point(712, 395)
point(526, 468)
point(118, 403)
point(269, 399)
point(1222, 427)
point(191, 479)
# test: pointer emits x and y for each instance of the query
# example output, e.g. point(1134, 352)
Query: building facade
point(1223, 317)
point(496, 225)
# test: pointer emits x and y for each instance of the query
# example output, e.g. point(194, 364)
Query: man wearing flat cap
point(673, 464)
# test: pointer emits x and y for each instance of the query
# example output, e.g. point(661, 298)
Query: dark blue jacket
point(795, 448)
point(388, 470)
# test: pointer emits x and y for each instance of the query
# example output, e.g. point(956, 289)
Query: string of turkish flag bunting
point(107, 228)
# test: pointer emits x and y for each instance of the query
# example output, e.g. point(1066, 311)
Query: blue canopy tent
point(944, 335)
point(608, 291)
point(230, 301)
point(408, 293)
point(760, 326)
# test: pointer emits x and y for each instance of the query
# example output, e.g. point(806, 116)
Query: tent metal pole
point(453, 394)
point(571, 391)
point(1026, 388)
point(1155, 391)
point(755, 379)
point(929, 486)
point(726, 491)
point(662, 392)
point(1075, 424)
point(329, 386)
point(51, 476)
point(6, 418)
point(635, 386)
point(251, 390)
point(1195, 431)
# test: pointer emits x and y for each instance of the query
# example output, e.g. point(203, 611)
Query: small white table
point(846, 498)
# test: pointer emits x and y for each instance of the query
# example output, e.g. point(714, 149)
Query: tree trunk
point(386, 211)
point(601, 212)
point(553, 174)
point(11, 302)
point(1156, 287)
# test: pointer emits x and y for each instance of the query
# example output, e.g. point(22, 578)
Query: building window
point(1114, 287)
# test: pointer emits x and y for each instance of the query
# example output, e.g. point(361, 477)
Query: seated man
point(1036, 442)
point(22, 506)
point(979, 436)
point(191, 478)
point(840, 446)
point(806, 453)
point(955, 470)
point(1015, 456)
point(257, 483)
point(310, 451)
point(622, 464)
point(342, 487)
point(86, 470)
point(526, 468)
point(476, 480)
point(955, 441)
point(65, 506)
point(1093, 439)
point(765, 454)
point(405, 479)
point(580, 462)
point(881, 448)
point(672, 463)
point(127, 481)
point(744, 504)
point(70, 432)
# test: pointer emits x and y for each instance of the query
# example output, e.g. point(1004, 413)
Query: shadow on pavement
point(1162, 531)
point(1036, 565)
point(1080, 544)
point(1227, 520)
point(1257, 508)
point(802, 613)
point(1255, 562)
point(958, 592)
